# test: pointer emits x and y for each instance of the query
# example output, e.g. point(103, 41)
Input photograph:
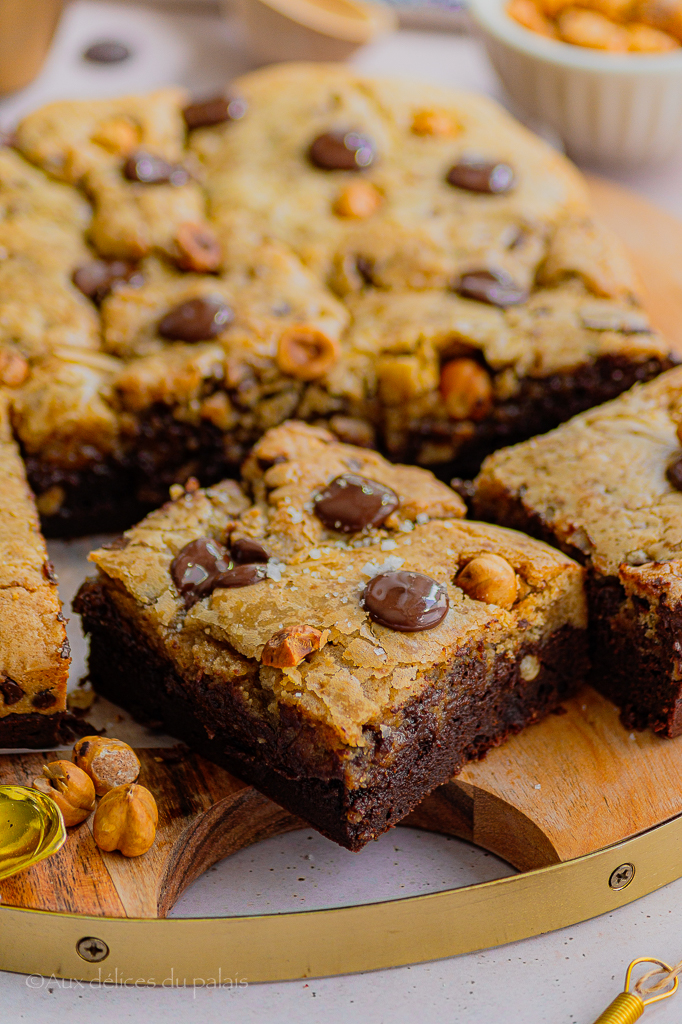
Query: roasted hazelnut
point(353, 431)
point(528, 14)
point(108, 762)
point(126, 820)
point(118, 135)
point(434, 122)
point(14, 368)
point(358, 200)
point(289, 647)
point(306, 353)
point(466, 390)
point(489, 578)
point(70, 788)
point(198, 247)
point(591, 29)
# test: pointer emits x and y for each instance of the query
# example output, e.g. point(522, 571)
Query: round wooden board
point(570, 787)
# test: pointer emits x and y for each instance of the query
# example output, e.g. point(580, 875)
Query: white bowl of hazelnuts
point(605, 75)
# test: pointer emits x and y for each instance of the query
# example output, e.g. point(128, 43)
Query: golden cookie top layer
point(337, 291)
point(601, 483)
point(306, 633)
point(34, 653)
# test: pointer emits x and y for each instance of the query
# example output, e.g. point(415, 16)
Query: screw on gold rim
point(628, 1007)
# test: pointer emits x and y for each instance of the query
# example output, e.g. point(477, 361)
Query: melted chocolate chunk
point(203, 565)
point(44, 699)
point(481, 176)
point(351, 503)
point(495, 287)
point(213, 111)
point(11, 691)
point(49, 573)
point(196, 320)
point(242, 576)
point(196, 568)
point(108, 51)
point(674, 473)
point(97, 278)
point(406, 601)
point(246, 551)
point(117, 544)
point(154, 170)
point(341, 151)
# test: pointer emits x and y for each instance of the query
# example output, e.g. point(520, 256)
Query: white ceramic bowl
point(607, 108)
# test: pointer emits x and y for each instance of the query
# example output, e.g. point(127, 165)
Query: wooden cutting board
point(575, 783)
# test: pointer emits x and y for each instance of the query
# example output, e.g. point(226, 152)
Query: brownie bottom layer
point(126, 671)
point(112, 494)
point(540, 405)
point(635, 666)
point(636, 656)
point(38, 732)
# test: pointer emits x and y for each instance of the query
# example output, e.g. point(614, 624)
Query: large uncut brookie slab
point(332, 630)
point(605, 488)
point(403, 263)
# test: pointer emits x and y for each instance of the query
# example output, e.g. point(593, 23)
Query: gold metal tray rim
point(340, 940)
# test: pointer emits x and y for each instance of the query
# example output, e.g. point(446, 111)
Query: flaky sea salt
point(372, 569)
point(388, 544)
point(274, 570)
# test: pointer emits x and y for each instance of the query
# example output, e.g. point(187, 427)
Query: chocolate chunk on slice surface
point(406, 601)
point(352, 502)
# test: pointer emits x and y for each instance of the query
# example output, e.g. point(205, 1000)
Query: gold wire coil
point(625, 1009)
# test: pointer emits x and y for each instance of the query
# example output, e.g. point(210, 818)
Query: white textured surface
point(564, 978)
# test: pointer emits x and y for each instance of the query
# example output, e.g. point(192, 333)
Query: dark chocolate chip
point(481, 176)
point(65, 650)
point(117, 544)
point(11, 691)
point(213, 111)
point(196, 320)
point(44, 699)
point(341, 151)
point(406, 601)
point(495, 287)
point(97, 278)
point(108, 51)
point(204, 564)
point(154, 170)
point(48, 572)
point(196, 568)
point(351, 503)
point(242, 576)
point(365, 268)
point(245, 551)
point(674, 473)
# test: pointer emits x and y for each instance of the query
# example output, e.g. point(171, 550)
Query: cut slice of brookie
point(333, 630)
point(34, 650)
point(605, 488)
